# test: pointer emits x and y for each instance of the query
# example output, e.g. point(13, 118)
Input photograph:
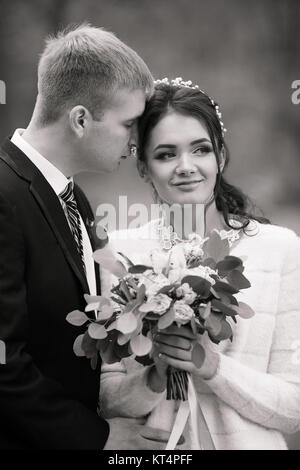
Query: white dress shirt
point(58, 181)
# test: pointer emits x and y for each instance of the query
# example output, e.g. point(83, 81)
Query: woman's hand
point(174, 346)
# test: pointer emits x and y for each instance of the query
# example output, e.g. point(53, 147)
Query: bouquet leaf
point(107, 348)
point(105, 313)
point(193, 325)
point(97, 331)
point(108, 260)
point(141, 345)
point(224, 288)
point(198, 284)
point(238, 280)
point(166, 289)
point(216, 304)
point(128, 261)
point(228, 264)
point(210, 262)
point(94, 362)
point(141, 294)
point(92, 306)
point(123, 339)
point(108, 355)
point(77, 346)
point(92, 298)
point(213, 323)
point(77, 318)
point(89, 345)
point(225, 333)
point(126, 323)
point(198, 355)
point(215, 247)
point(138, 269)
point(244, 310)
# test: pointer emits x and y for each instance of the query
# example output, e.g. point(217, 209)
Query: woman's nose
point(185, 165)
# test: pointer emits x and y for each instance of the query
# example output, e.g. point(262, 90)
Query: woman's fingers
point(173, 346)
point(182, 331)
point(175, 341)
point(176, 353)
point(178, 364)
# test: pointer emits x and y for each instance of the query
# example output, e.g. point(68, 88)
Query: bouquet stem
point(177, 384)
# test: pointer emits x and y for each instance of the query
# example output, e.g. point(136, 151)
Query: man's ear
point(79, 118)
point(143, 172)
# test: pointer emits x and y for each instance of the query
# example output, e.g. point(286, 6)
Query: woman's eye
point(165, 155)
point(203, 150)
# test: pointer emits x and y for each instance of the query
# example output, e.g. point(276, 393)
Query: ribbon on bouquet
point(201, 437)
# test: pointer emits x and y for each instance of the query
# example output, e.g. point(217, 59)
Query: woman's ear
point(222, 159)
point(143, 172)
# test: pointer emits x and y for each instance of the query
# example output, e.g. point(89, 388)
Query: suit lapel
point(53, 212)
point(49, 205)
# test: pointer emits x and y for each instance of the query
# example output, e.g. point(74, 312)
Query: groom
point(91, 90)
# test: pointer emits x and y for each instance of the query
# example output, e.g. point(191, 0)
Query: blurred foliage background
point(244, 54)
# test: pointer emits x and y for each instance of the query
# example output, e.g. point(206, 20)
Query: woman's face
point(181, 162)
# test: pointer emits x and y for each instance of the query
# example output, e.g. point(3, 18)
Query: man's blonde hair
point(84, 65)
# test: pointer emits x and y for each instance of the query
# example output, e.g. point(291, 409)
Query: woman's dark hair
point(192, 102)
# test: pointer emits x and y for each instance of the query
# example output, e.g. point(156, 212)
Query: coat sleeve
point(36, 408)
point(271, 399)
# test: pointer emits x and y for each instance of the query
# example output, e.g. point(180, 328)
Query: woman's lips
point(188, 185)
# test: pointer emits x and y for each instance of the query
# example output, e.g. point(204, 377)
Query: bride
point(248, 390)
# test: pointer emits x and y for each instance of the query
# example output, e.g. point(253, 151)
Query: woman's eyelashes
point(203, 149)
point(200, 150)
point(165, 155)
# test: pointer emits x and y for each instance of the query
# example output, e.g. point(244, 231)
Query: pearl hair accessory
point(180, 83)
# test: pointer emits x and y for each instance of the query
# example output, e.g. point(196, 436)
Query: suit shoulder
point(11, 184)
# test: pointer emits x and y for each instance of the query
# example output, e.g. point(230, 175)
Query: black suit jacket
point(48, 396)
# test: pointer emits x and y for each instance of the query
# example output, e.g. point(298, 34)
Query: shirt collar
point(57, 180)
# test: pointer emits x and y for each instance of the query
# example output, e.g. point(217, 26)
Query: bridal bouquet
point(194, 284)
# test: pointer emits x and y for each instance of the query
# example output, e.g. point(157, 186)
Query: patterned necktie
point(67, 195)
